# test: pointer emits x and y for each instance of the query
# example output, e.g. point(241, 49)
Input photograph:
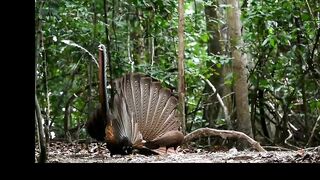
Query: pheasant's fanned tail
point(123, 121)
point(143, 116)
point(152, 108)
point(145, 96)
point(152, 105)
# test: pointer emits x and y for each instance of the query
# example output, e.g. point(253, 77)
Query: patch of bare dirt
point(80, 153)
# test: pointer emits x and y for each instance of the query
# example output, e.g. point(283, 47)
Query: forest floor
point(60, 152)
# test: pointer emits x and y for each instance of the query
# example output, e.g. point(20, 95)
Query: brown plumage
point(143, 115)
point(169, 139)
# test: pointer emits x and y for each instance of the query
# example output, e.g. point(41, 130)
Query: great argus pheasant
point(142, 117)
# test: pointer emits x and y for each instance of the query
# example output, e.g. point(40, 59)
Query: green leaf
point(272, 42)
point(204, 37)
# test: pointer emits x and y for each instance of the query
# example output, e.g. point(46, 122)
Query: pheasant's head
point(126, 146)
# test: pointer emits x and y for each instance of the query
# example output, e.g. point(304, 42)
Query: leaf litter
point(60, 152)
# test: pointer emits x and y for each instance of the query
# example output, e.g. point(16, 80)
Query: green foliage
point(144, 33)
point(75, 20)
point(280, 36)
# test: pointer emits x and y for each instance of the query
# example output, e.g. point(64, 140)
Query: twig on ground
point(278, 148)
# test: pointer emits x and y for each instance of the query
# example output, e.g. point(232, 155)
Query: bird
point(169, 139)
point(143, 115)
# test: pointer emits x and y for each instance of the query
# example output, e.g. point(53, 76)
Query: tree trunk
point(262, 113)
point(228, 95)
point(181, 83)
point(239, 68)
point(108, 48)
point(212, 107)
point(67, 122)
point(136, 36)
point(45, 82)
point(45, 79)
point(90, 67)
point(89, 97)
point(38, 117)
point(302, 84)
point(41, 138)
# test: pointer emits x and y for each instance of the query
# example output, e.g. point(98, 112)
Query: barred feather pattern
point(144, 110)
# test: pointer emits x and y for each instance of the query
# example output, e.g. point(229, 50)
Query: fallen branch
point(224, 134)
point(313, 130)
point(225, 110)
point(64, 140)
point(317, 148)
point(278, 148)
point(287, 143)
